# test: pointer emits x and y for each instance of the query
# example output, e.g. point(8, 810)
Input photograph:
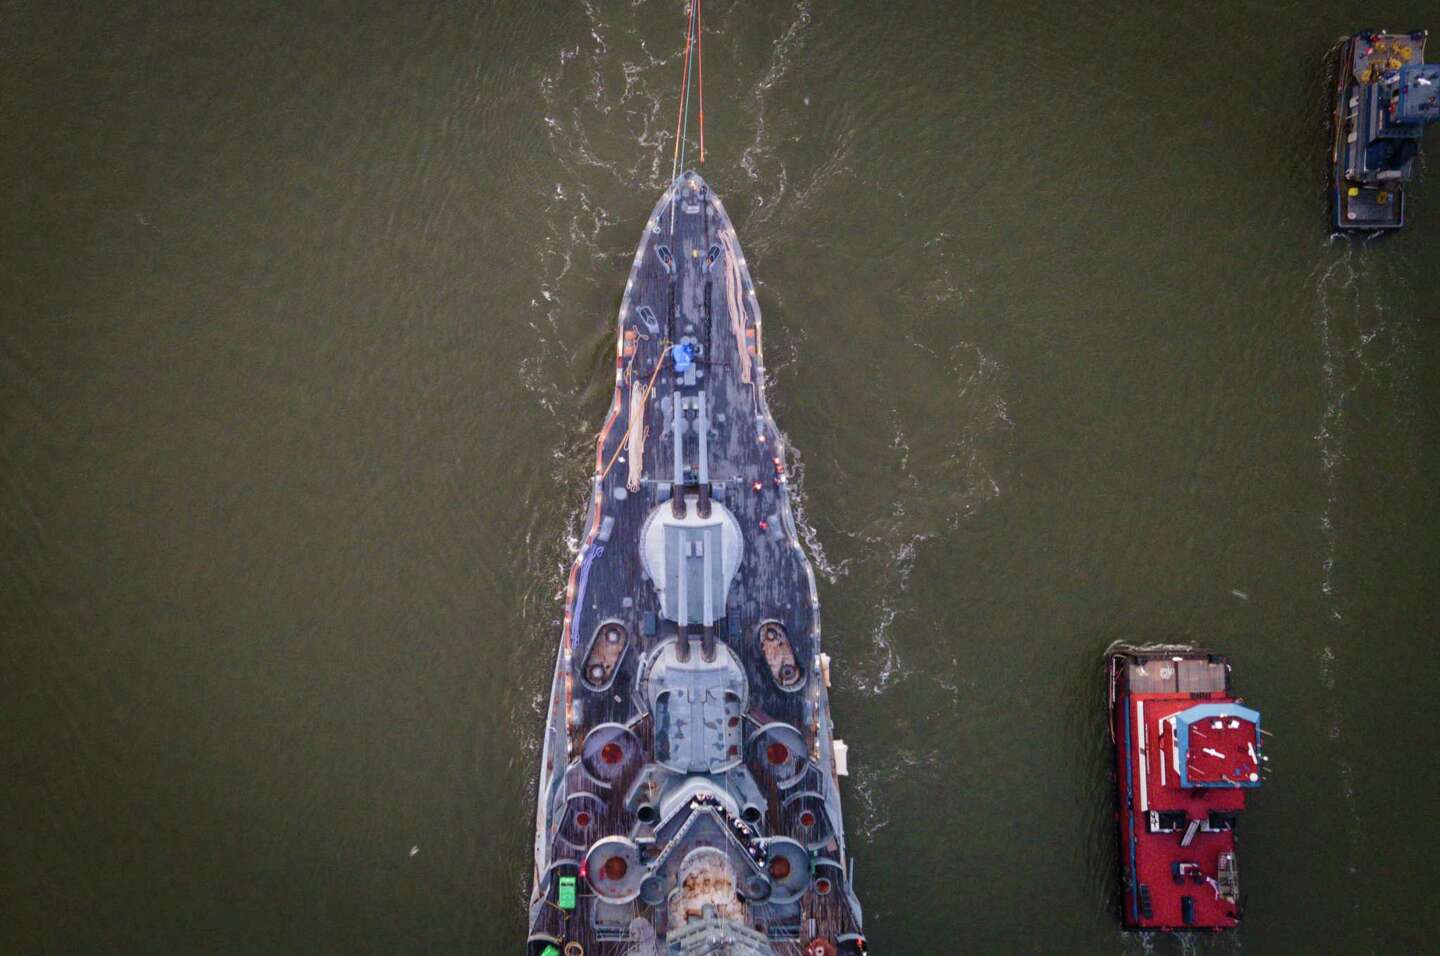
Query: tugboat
point(689, 796)
point(1186, 753)
point(1384, 95)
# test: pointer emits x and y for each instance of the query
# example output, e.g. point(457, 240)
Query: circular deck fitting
point(778, 751)
point(788, 868)
point(756, 888)
point(652, 890)
point(580, 818)
point(614, 869)
point(610, 753)
point(828, 875)
point(805, 815)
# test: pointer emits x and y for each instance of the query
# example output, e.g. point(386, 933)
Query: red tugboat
point(1186, 752)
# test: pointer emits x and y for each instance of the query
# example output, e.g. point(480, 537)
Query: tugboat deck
point(1369, 173)
point(1389, 52)
point(1186, 752)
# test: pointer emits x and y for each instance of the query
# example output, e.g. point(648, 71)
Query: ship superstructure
point(1186, 754)
point(689, 797)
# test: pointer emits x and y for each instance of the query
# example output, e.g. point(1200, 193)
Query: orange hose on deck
point(630, 424)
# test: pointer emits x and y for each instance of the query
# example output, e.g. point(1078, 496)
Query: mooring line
point(700, 57)
point(682, 116)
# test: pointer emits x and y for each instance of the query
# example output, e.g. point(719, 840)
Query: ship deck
point(1384, 52)
point(705, 429)
point(1364, 58)
point(1162, 865)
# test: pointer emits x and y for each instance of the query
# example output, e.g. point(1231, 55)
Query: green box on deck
point(567, 894)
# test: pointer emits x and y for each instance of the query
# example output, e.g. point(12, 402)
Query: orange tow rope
point(700, 51)
point(684, 90)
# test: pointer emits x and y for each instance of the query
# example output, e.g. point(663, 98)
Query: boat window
point(1167, 821)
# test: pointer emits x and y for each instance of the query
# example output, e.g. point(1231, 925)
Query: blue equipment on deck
point(1385, 94)
point(684, 357)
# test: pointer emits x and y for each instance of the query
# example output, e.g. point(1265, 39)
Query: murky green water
point(307, 322)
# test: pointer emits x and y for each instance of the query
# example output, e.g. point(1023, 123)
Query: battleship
point(688, 799)
point(1385, 94)
point(1186, 753)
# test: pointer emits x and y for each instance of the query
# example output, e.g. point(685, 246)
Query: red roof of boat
point(1220, 763)
point(1222, 748)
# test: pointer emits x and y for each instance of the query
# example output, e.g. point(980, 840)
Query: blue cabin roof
point(1417, 101)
